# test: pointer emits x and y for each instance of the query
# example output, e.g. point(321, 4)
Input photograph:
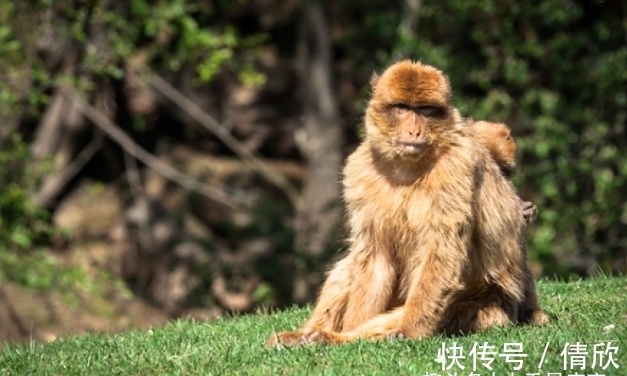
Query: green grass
point(585, 312)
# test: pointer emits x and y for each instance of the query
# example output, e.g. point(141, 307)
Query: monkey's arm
point(329, 310)
point(436, 280)
point(365, 279)
point(529, 310)
point(357, 288)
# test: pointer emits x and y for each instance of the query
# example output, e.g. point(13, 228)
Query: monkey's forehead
point(413, 84)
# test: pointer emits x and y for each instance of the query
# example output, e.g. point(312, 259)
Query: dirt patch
point(45, 316)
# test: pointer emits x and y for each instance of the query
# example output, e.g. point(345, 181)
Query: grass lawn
point(589, 334)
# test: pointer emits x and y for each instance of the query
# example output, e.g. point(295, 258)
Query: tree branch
point(55, 183)
point(407, 27)
point(211, 124)
point(162, 168)
point(137, 190)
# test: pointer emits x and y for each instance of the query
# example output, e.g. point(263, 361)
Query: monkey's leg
point(379, 327)
point(372, 285)
point(478, 310)
point(498, 310)
point(434, 283)
point(529, 311)
point(358, 288)
point(490, 316)
point(462, 319)
point(472, 317)
point(329, 310)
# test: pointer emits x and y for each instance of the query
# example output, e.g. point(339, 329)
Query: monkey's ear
point(374, 79)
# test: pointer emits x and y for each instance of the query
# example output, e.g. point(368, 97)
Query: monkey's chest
point(398, 217)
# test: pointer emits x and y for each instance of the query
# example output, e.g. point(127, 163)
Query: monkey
point(502, 147)
point(435, 232)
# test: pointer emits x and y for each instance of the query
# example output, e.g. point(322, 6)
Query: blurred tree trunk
point(407, 29)
point(320, 141)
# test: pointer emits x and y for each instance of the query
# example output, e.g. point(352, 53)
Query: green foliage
point(161, 35)
point(26, 232)
point(108, 38)
point(24, 226)
point(10, 58)
point(173, 33)
point(234, 346)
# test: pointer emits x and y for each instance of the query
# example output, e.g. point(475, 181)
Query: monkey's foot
point(317, 337)
point(281, 339)
point(401, 332)
point(488, 317)
point(538, 317)
point(287, 339)
point(533, 317)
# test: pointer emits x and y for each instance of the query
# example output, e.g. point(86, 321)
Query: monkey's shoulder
point(459, 158)
point(470, 152)
point(360, 174)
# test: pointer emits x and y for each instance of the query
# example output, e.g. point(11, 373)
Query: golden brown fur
point(498, 139)
point(435, 240)
point(502, 147)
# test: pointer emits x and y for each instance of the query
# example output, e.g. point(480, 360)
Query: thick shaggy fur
point(499, 141)
point(436, 232)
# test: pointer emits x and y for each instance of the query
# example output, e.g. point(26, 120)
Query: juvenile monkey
point(435, 240)
point(498, 139)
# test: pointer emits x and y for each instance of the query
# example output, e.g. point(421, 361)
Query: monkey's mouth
point(412, 147)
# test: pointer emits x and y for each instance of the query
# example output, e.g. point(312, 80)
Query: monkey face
point(414, 130)
point(409, 108)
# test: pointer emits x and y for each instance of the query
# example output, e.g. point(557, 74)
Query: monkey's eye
point(402, 108)
point(430, 111)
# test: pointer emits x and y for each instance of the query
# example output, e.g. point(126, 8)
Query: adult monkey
point(436, 232)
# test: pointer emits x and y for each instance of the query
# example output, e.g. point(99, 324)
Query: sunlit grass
point(587, 313)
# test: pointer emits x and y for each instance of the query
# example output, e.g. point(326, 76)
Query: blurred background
point(180, 159)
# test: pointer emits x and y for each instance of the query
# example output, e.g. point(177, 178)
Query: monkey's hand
point(278, 340)
point(288, 339)
point(529, 211)
point(414, 332)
